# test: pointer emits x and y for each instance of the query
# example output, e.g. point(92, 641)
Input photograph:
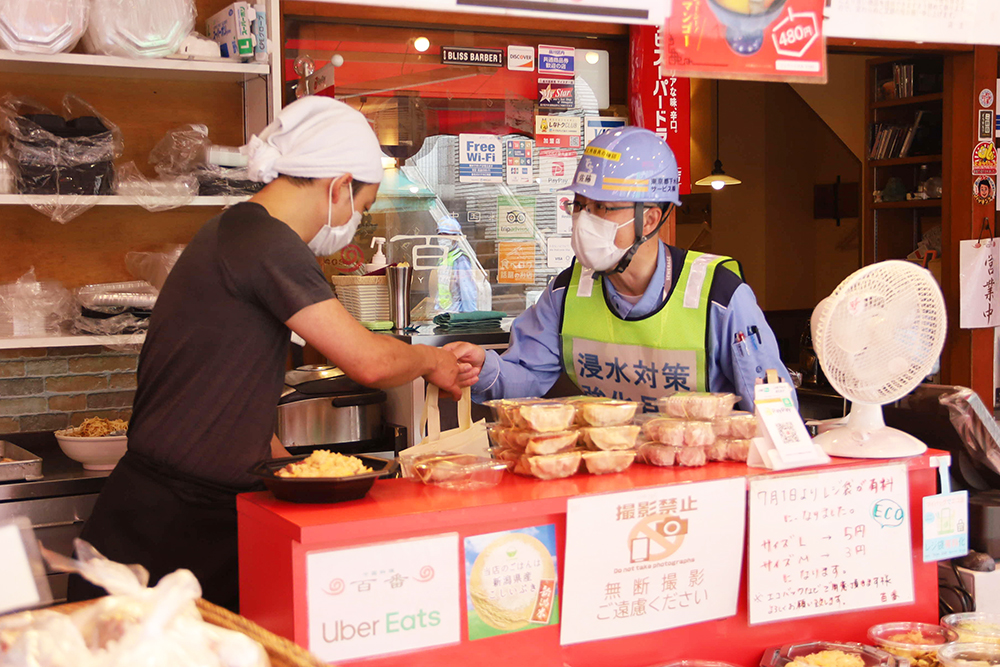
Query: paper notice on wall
point(519, 169)
point(947, 21)
point(559, 252)
point(564, 216)
point(555, 169)
point(515, 217)
point(658, 558)
point(480, 158)
point(515, 263)
point(383, 598)
point(825, 543)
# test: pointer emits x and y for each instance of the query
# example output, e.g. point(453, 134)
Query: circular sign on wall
point(984, 190)
point(986, 98)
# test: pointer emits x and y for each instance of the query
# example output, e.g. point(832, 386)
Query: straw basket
point(366, 298)
point(281, 652)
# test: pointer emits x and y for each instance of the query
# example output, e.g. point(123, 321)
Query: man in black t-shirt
point(211, 370)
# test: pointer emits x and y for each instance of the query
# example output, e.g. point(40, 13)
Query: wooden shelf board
point(916, 159)
point(108, 200)
point(82, 64)
point(70, 341)
point(913, 203)
point(904, 101)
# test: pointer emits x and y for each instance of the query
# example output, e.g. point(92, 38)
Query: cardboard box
point(984, 586)
point(232, 30)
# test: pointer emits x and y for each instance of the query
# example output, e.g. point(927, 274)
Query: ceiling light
point(718, 179)
point(421, 44)
point(592, 57)
point(414, 189)
point(388, 162)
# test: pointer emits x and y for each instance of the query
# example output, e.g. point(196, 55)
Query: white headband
point(316, 137)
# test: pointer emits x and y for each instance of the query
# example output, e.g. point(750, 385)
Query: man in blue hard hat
point(633, 317)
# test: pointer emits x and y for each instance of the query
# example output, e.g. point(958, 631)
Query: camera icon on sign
point(674, 527)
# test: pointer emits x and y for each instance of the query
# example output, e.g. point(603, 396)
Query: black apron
point(163, 520)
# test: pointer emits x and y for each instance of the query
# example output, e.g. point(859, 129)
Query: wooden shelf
point(916, 159)
point(82, 64)
point(108, 200)
point(912, 203)
point(70, 341)
point(904, 101)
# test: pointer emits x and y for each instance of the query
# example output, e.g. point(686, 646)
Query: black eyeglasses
point(594, 207)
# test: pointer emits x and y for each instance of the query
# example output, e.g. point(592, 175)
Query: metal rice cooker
point(322, 406)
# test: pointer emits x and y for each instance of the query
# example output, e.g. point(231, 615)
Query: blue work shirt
point(533, 361)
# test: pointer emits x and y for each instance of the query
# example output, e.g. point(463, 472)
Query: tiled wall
point(49, 389)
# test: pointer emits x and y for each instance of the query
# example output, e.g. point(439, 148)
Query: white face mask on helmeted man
point(593, 240)
point(318, 137)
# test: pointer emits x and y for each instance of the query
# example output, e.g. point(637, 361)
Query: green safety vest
point(639, 360)
point(445, 300)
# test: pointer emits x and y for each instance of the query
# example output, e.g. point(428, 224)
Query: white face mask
point(593, 241)
point(330, 239)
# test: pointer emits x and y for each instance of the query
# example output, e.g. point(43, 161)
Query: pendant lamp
point(718, 179)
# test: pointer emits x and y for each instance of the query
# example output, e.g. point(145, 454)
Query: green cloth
point(475, 321)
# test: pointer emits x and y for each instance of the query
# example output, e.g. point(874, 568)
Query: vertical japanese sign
point(743, 39)
point(519, 161)
point(829, 542)
point(515, 263)
point(978, 263)
point(657, 103)
point(480, 158)
point(383, 598)
point(641, 561)
point(511, 581)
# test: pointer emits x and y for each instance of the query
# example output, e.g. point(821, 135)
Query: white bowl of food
point(97, 443)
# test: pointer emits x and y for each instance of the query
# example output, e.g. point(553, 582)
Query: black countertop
point(61, 476)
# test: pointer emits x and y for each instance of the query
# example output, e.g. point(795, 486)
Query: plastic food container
point(42, 26)
point(974, 627)
point(138, 28)
point(872, 657)
point(462, 472)
point(917, 642)
point(321, 489)
point(969, 655)
point(698, 663)
point(701, 406)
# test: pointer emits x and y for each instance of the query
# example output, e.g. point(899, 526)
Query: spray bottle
point(378, 259)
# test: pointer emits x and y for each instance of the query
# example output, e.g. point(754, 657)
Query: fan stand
point(867, 437)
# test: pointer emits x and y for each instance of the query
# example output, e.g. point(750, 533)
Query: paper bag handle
point(430, 418)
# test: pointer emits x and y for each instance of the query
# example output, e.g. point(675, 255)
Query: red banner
point(767, 40)
point(660, 104)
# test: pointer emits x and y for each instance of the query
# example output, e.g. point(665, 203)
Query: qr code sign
point(787, 434)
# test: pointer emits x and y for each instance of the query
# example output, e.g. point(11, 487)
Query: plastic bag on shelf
point(29, 308)
point(153, 267)
point(71, 155)
point(975, 425)
point(42, 26)
point(114, 308)
point(138, 28)
point(159, 195)
point(217, 181)
point(180, 151)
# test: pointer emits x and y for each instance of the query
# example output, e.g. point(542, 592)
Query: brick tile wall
point(54, 388)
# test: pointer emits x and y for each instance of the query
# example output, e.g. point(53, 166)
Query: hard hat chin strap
point(638, 222)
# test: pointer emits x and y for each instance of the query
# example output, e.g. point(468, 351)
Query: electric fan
point(877, 336)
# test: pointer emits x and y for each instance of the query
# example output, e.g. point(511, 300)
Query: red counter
point(275, 536)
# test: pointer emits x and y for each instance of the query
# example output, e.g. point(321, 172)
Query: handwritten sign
point(829, 542)
point(383, 598)
point(977, 267)
point(648, 560)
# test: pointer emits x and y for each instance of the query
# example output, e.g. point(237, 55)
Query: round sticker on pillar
point(984, 159)
point(984, 190)
point(986, 98)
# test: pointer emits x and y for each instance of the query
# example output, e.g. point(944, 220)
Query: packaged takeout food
point(737, 424)
point(459, 471)
point(917, 642)
point(600, 438)
point(656, 454)
point(678, 432)
point(591, 411)
point(969, 655)
point(533, 414)
point(553, 466)
point(600, 463)
point(701, 406)
point(827, 654)
point(974, 627)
